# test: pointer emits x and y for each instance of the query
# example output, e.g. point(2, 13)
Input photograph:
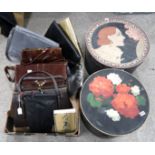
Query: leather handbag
point(57, 68)
point(41, 55)
point(35, 108)
point(21, 38)
point(69, 51)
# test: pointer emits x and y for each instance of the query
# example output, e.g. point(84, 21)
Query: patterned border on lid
point(128, 25)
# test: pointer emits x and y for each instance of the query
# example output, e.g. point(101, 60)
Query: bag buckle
point(40, 85)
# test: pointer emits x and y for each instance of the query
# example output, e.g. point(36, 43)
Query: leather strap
point(44, 78)
point(7, 69)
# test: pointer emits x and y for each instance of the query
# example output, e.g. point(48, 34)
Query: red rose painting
point(101, 86)
point(122, 88)
point(113, 102)
point(126, 105)
point(119, 99)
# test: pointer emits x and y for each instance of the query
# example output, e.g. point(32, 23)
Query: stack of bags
point(47, 80)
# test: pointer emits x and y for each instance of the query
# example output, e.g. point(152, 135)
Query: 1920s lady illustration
point(115, 42)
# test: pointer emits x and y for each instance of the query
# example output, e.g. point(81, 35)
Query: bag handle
point(6, 70)
point(33, 78)
point(43, 78)
point(19, 109)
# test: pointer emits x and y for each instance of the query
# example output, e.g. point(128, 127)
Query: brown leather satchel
point(41, 55)
point(57, 68)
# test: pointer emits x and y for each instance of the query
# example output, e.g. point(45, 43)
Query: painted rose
point(126, 105)
point(135, 90)
point(116, 80)
point(113, 114)
point(101, 86)
point(122, 88)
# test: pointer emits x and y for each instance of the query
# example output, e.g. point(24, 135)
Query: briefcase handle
point(19, 88)
point(7, 70)
point(30, 75)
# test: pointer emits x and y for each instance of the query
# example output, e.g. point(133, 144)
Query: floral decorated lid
point(117, 43)
point(113, 102)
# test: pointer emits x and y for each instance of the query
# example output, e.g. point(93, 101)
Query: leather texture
point(69, 51)
point(21, 38)
point(38, 105)
point(41, 55)
point(75, 80)
point(56, 69)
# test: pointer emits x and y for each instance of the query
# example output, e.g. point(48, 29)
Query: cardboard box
point(11, 130)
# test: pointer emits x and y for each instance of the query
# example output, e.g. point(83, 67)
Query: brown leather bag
point(41, 55)
point(59, 68)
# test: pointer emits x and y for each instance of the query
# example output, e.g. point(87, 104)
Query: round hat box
point(113, 102)
point(115, 43)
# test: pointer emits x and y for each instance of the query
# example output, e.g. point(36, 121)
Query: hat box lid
point(117, 43)
point(113, 102)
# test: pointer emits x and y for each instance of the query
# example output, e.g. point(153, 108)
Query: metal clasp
point(40, 85)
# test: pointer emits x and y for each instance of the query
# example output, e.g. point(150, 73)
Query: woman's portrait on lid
point(115, 42)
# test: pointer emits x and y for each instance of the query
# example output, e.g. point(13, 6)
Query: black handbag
point(69, 51)
point(37, 106)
